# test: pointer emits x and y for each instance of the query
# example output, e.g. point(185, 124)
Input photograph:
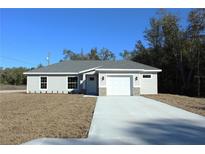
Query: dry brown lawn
point(192, 104)
point(12, 87)
point(24, 117)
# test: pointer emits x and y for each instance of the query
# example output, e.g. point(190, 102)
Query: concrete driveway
point(138, 120)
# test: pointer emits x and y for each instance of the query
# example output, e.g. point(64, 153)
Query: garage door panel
point(118, 85)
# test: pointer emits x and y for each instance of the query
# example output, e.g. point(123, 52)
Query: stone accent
point(136, 91)
point(102, 91)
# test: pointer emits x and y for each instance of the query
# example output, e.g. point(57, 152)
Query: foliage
point(40, 66)
point(126, 55)
point(104, 54)
point(68, 54)
point(179, 52)
point(13, 76)
point(93, 55)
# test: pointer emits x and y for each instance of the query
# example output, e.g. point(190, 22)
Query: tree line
point(94, 54)
point(176, 49)
point(14, 75)
point(179, 50)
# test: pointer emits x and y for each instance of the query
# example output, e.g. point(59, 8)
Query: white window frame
point(46, 83)
point(77, 83)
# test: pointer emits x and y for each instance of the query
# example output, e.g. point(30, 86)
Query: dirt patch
point(24, 117)
point(192, 104)
point(12, 87)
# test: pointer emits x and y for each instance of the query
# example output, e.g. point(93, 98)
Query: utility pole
point(48, 58)
point(81, 51)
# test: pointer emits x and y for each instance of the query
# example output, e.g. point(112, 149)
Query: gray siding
point(55, 84)
point(139, 86)
point(33, 84)
point(58, 83)
point(149, 85)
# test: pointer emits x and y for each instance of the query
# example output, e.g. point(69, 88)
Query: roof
point(78, 66)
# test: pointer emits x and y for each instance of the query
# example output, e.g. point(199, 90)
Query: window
point(146, 76)
point(43, 82)
point(72, 82)
point(92, 79)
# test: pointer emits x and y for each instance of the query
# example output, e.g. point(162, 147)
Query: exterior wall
point(102, 92)
point(58, 84)
point(135, 84)
point(33, 84)
point(102, 79)
point(139, 84)
point(148, 85)
point(136, 91)
point(55, 84)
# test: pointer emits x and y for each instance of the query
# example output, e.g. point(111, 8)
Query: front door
point(91, 84)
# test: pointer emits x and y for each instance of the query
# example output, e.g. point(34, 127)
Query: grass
point(192, 104)
point(29, 116)
point(12, 87)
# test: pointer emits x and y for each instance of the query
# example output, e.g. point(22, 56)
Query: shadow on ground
point(85, 141)
point(163, 131)
point(166, 131)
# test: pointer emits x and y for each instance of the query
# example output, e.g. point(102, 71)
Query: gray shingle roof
point(126, 65)
point(76, 66)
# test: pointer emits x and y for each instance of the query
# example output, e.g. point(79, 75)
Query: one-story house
point(94, 78)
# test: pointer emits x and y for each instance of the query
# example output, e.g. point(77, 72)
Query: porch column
point(83, 81)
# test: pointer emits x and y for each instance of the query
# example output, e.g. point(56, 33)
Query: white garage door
point(118, 85)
